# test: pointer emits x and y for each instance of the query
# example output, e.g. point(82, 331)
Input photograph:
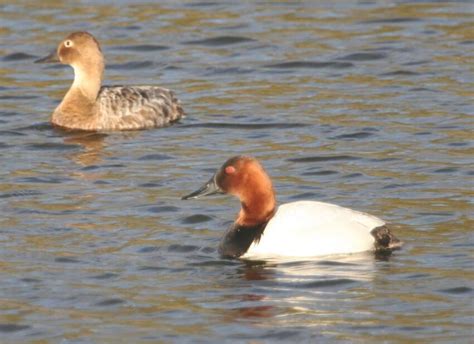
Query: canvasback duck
point(297, 229)
point(88, 106)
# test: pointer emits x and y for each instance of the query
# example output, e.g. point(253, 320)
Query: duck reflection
point(286, 286)
point(359, 267)
point(93, 143)
point(93, 147)
point(256, 270)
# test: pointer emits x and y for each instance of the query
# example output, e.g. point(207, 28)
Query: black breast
point(237, 239)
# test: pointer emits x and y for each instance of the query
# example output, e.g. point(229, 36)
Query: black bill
point(210, 188)
point(51, 58)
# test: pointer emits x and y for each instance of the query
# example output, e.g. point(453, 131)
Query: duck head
point(245, 178)
point(82, 52)
point(76, 48)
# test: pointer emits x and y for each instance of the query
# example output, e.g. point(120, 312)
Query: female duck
point(88, 106)
point(298, 229)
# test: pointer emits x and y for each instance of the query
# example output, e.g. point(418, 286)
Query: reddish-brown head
point(245, 178)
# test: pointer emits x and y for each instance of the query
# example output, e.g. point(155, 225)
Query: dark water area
point(364, 104)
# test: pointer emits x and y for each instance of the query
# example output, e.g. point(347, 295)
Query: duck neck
point(78, 108)
point(257, 207)
point(87, 79)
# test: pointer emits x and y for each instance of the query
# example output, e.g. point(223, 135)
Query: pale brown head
point(78, 48)
point(245, 178)
point(82, 52)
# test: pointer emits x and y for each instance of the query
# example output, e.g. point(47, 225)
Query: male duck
point(297, 229)
point(88, 106)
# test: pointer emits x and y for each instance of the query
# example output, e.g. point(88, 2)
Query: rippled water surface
point(367, 104)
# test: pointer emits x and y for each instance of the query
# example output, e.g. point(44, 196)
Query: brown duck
point(89, 106)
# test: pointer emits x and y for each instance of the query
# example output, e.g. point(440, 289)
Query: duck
point(303, 228)
point(90, 106)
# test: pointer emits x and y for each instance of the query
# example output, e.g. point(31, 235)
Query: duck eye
point(68, 43)
point(230, 169)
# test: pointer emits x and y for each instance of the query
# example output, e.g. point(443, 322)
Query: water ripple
point(131, 65)
point(20, 193)
point(43, 180)
point(319, 284)
point(107, 275)
point(155, 156)
point(163, 209)
point(309, 64)
point(141, 47)
point(221, 40)
point(99, 167)
point(353, 136)
point(249, 126)
point(323, 158)
point(391, 20)
point(363, 57)
point(320, 173)
point(229, 70)
point(11, 133)
point(52, 146)
point(17, 56)
point(110, 302)
point(7, 328)
point(183, 248)
point(197, 218)
point(400, 73)
point(149, 249)
point(18, 97)
point(66, 260)
point(457, 290)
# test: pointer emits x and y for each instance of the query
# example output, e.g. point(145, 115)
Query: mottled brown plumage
point(88, 106)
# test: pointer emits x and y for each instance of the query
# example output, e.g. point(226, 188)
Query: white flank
point(308, 228)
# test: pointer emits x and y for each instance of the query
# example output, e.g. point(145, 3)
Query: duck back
point(136, 107)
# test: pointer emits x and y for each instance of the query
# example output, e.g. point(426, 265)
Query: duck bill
point(210, 188)
point(51, 58)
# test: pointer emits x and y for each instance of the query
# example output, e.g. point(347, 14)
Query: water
point(363, 104)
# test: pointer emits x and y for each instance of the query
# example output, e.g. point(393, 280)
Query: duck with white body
point(297, 229)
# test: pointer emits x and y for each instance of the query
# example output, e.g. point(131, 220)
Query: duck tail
point(179, 111)
point(385, 240)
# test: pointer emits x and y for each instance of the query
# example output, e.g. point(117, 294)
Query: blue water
point(363, 104)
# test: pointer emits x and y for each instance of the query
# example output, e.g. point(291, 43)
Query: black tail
point(385, 240)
